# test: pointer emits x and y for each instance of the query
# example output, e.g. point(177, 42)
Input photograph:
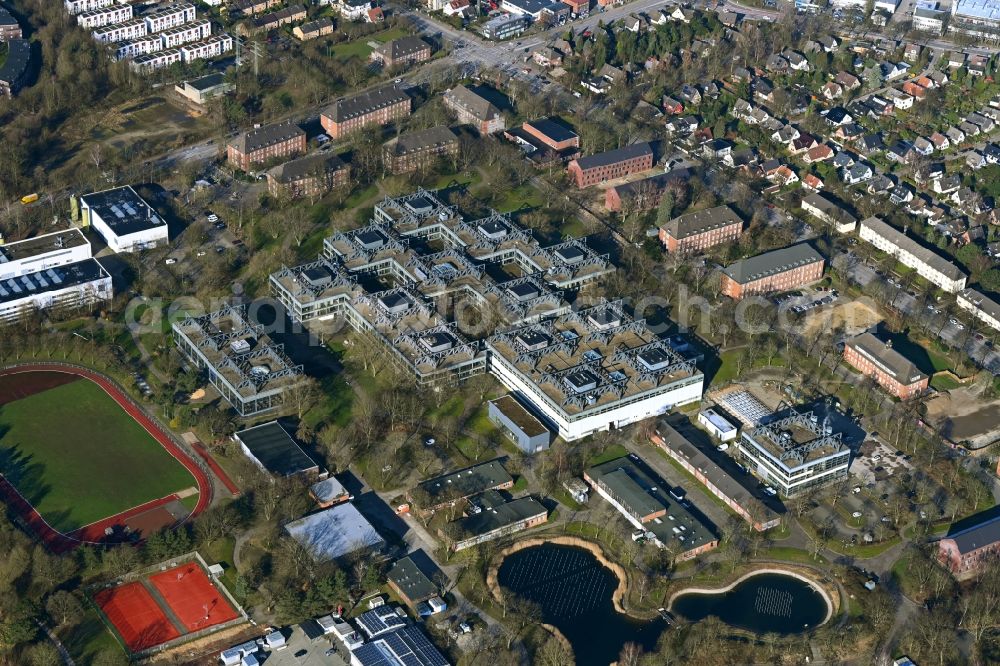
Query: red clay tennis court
point(192, 597)
point(136, 616)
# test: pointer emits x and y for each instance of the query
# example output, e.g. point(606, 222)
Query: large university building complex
point(579, 372)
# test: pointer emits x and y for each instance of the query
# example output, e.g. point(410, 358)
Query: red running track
point(56, 540)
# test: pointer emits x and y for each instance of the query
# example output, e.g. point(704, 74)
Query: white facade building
point(125, 221)
point(170, 16)
point(979, 18)
point(182, 34)
point(716, 424)
point(208, 48)
point(156, 60)
point(981, 306)
point(932, 267)
point(120, 32)
point(928, 18)
point(74, 7)
point(47, 272)
point(566, 370)
point(138, 47)
point(95, 18)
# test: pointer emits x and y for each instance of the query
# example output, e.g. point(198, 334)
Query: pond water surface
point(767, 602)
point(574, 591)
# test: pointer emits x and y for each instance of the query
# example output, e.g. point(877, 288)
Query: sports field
point(165, 605)
point(72, 452)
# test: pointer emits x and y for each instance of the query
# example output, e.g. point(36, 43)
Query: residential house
point(403, 51)
point(264, 144)
point(310, 176)
point(847, 81)
point(313, 29)
point(832, 90)
point(859, 173)
point(819, 153)
point(812, 182)
point(940, 141)
point(415, 150)
point(928, 264)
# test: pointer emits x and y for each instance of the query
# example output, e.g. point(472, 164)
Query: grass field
point(78, 457)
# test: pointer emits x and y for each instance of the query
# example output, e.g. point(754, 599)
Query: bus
point(29, 198)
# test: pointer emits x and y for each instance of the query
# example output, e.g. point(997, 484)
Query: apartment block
point(701, 230)
point(982, 307)
point(775, 271)
point(170, 16)
point(265, 143)
point(376, 107)
point(156, 60)
point(211, 47)
point(74, 7)
point(928, 264)
point(119, 32)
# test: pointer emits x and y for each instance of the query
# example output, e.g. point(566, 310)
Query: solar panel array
point(407, 646)
point(380, 620)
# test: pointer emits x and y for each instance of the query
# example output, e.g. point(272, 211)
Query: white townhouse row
point(212, 47)
point(171, 16)
point(137, 47)
point(981, 306)
point(120, 32)
point(95, 18)
point(931, 266)
point(188, 32)
point(74, 7)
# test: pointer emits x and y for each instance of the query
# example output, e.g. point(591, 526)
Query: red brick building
point(409, 152)
point(778, 270)
point(971, 544)
point(890, 369)
point(602, 167)
point(471, 108)
point(402, 51)
point(642, 195)
point(376, 107)
point(701, 230)
point(264, 144)
point(310, 176)
point(552, 134)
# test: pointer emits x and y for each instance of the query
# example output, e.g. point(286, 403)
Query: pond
point(766, 602)
point(574, 591)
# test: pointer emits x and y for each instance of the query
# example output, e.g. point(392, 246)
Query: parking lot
point(300, 650)
point(883, 462)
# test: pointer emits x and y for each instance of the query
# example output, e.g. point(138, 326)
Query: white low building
point(50, 272)
point(119, 32)
point(170, 16)
point(188, 32)
point(123, 219)
point(929, 265)
point(982, 307)
point(718, 425)
point(979, 18)
point(212, 47)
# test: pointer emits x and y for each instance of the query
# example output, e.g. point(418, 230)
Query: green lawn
point(88, 638)
point(610, 453)
point(944, 382)
point(77, 457)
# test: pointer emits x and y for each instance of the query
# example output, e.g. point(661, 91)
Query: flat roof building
point(498, 519)
point(41, 252)
point(727, 486)
point(61, 287)
point(617, 163)
point(646, 504)
point(406, 646)
point(795, 453)
point(461, 484)
point(251, 372)
point(335, 532)
point(204, 88)
point(123, 219)
point(890, 369)
point(275, 451)
point(593, 370)
point(523, 428)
